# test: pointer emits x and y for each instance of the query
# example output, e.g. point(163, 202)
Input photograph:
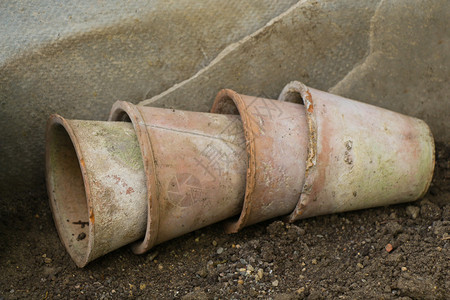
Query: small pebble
point(389, 247)
point(160, 267)
point(240, 281)
point(214, 243)
point(404, 269)
point(47, 260)
point(301, 290)
point(260, 273)
point(412, 211)
point(250, 268)
point(197, 240)
point(275, 283)
point(202, 273)
point(360, 265)
point(152, 256)
point(220, 250)
point(210, 265)
point(314, 261)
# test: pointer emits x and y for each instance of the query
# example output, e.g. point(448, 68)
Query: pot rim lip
point(300, 89)
point(433, 159)
point(57, 120)
point(223, 96)
point(118, 110)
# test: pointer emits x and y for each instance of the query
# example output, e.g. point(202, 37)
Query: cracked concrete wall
point(78, 59)
point(394, 54)
point(315, 42)
point(408, 65)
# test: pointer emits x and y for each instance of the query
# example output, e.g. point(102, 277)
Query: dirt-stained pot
point(277, 144)
point(359, 155)
point(195, 166)
point(110, 183)
point(96, 185)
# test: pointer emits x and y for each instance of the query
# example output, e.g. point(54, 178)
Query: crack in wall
point(358, 66)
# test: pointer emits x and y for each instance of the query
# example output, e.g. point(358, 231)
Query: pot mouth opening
point(66, 190)
point(126, 112)
point(121, 116)
point(229, 102)
point(293, 97)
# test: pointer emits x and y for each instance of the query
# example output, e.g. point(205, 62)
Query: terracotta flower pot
point(159, 173)
point(96, 185)
point(359, 156)
point(277, 143)
point(194, 166)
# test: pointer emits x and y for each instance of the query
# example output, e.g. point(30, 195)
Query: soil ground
point(342, 256)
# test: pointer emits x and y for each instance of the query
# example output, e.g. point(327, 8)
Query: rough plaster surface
point(27, 25)
point(408, 65)
point(315, 42)
point(76, 59)
point(394, 54)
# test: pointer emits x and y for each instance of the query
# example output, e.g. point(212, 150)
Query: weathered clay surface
point(96, 184)
point(277, 146)
point(195, 166)
point(360, 155)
